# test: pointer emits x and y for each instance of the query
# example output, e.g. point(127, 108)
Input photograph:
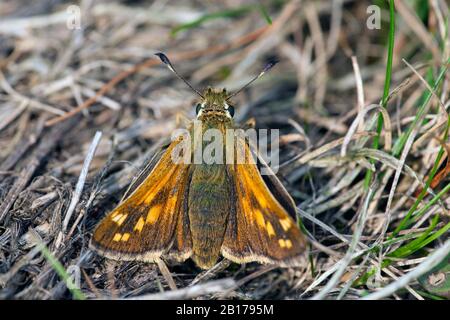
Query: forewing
point(144, 173)
point(150, 221)
point(275, 186)
point(259, 229)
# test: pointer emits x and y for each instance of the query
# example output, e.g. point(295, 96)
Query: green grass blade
point(400, 144)
point(59, 268)
point(407, 220)
point(387, 84)
point(416, 244)
point(264, 13)
point(229, 13)
point(398, 147)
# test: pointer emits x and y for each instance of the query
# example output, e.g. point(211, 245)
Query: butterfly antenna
point(169, 65)
point(267, 67)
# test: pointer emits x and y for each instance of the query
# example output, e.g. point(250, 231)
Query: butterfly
point(179, 210)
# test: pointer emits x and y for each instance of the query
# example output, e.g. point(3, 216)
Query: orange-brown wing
point(260, 229)
point(152, 220)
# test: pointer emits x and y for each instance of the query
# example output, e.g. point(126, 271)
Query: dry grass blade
point(422, 268)
point(207, 288)
point(81, 180)
point(349, 254)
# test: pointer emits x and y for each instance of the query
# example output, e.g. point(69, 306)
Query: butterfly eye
point(198, 107)
point(231, 111)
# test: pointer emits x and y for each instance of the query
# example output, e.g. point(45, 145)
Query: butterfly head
point(214, 102)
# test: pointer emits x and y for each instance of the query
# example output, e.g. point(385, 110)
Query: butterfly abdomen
point(209, 207)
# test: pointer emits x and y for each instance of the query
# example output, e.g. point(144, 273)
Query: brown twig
point(152, 62)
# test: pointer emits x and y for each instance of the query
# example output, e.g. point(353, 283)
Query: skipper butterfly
point(202, 211)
